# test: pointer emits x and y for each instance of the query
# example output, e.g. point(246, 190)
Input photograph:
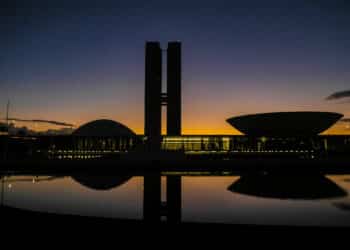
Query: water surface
point(260, 199)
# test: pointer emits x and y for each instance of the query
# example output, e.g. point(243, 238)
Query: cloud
point(43, 121)
point(24, 131)
point(339, 95)
point(345, 120)
point(55, 123)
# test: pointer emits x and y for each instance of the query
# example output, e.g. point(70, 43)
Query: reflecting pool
point(205, 197)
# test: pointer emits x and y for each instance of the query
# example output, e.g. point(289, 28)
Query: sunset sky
point(84, 61)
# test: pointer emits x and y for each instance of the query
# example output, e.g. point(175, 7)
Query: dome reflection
point(100, 182)
point(302, 187)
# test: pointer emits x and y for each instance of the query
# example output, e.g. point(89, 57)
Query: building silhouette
point(153, 90)
point(174, 89)
point(278, 134)
point(154, 98)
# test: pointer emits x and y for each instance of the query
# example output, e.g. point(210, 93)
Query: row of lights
point(189, 151)
point(82, 151)
point(60, 157)
point(251, 151)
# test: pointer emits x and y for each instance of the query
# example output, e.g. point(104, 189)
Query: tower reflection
point(152, 198)
point(277, 186)
point(153, 208)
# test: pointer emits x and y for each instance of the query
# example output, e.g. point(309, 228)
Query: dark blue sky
point(83, 61)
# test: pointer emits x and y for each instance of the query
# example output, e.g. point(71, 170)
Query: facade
point(100, 138)
point(192, 146)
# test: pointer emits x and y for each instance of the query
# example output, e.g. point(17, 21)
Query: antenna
point(7, 113)
point(2, 189)
point(7, 124)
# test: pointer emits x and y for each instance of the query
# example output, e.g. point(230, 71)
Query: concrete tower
point(154, 98)
point(174, 88)
point(153, 90)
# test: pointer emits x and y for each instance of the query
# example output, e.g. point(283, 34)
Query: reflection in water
point(105, 182)
point(2, 189)
point(33, 179)
point(153, 207)
point(303, 187)
point(181, 197)
point(174, 198)
point(152, 198)
point(344, 206)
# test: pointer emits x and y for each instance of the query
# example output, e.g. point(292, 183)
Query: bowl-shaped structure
point(285, 123)
point(276, 186)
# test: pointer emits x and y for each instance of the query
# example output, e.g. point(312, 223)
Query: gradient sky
point(84, 61)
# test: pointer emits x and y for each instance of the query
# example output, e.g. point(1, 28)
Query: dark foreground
point(22, 220)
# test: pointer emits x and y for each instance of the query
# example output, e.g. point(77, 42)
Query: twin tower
point(155, 98)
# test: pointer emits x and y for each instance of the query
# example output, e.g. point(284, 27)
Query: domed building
point(292, 133)
point(103, 128)
point(103, 138)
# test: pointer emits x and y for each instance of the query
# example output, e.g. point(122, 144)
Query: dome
point(101, 182)
point(285, 123)
point(103, 128)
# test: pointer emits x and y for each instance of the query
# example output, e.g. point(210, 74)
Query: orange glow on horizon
point(225, 130)
point(191, 125)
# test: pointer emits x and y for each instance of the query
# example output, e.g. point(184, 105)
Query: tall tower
point(153, 90)
point(154, 98)
point(174, 88)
